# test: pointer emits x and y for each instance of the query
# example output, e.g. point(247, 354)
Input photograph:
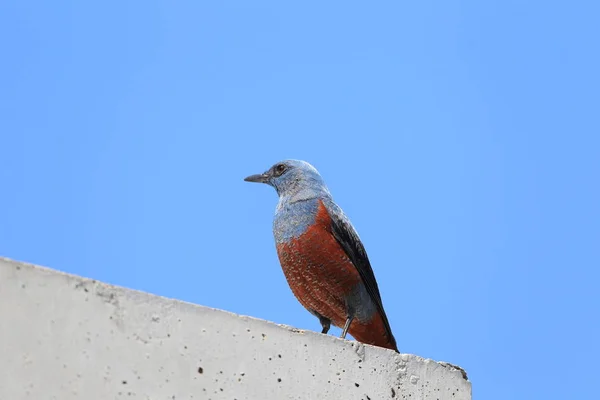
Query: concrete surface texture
point(64, 337)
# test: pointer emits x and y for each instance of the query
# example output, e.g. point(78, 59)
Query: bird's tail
point(373, 332)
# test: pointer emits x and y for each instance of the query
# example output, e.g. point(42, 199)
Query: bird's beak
point(260, 178)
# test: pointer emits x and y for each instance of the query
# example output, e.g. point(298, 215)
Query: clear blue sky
point(462, 138)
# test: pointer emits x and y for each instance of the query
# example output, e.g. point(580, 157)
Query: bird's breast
point(293, 220)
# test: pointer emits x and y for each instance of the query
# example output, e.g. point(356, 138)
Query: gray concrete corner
point(65, 337)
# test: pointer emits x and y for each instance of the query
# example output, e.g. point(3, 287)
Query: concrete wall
point(64, 337)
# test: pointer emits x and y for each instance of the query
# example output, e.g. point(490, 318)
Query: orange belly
point(322, 278)
point(319, 273)
point(318, 270)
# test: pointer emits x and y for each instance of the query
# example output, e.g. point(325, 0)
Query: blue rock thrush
point(322, 256)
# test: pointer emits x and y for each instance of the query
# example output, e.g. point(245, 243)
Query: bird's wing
point(346, 235)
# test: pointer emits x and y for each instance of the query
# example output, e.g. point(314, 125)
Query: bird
point(322, 256)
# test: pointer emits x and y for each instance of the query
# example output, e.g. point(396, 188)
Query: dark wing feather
point(344, 233)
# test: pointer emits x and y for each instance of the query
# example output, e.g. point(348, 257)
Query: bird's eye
point(279, 169)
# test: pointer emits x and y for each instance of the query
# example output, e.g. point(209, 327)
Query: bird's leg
point(325, 323)
point(347, 326)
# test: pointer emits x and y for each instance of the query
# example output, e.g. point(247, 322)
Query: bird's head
point(294, 180)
